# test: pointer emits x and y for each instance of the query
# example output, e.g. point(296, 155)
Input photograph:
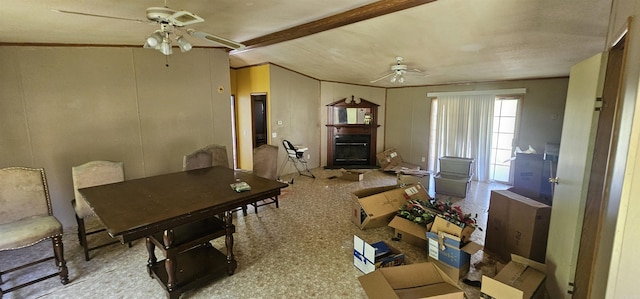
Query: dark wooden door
point(259, 119)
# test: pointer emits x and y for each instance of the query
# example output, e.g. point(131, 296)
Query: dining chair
point(218, 155)
point(265, 164)
point(208, 156)
point(93, 173)
point(199, 159)
point(26, 219)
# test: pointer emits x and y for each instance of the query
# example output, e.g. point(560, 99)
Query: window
point(503, 133)
point(500, 130)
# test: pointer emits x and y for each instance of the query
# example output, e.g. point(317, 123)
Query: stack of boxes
point(454, 176)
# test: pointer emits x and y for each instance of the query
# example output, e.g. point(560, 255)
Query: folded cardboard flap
point(449, 240)
point(423, 280)
point(521, 278)
point(442, 225)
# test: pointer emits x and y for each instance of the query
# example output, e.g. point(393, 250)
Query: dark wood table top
point(137, 208)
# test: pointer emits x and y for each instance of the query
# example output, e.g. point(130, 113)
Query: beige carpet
point(304, 249)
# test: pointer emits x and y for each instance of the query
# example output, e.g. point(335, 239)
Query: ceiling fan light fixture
point(165, 48)
point(183, 44)
point(154, 39)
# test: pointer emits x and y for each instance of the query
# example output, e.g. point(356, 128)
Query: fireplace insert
point(351, 150)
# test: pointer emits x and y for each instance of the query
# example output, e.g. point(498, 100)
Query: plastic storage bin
point(451, 184)
point(456, 165)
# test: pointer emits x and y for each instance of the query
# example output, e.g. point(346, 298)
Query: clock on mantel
point(351, 133)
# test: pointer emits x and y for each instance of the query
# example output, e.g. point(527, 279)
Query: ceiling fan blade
point(385, 76)
point(184, 18)
point(101, 16)
point(216, 39)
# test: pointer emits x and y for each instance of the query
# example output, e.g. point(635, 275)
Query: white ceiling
point(451, 40)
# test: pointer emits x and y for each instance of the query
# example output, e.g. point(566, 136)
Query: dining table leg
point(170, 260)
point(228, 241)
point(152, 254)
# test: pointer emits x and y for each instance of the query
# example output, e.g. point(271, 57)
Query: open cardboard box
point(410, 232)
point(521, 278)
point(351, 175)
point(375, 207)
point(367, 258)
point(422, 280)
point(391, 161)
point(447, 249)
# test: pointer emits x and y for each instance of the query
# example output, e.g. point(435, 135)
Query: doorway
point(596, 203)
point(259, 119)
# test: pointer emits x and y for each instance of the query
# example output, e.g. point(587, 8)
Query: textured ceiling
point(452, 41)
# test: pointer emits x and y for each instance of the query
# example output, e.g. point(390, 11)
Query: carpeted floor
point(304, 249)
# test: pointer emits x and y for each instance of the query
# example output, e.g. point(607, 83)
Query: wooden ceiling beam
point(355, 15)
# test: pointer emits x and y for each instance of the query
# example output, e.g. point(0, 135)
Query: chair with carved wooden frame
point(91, 174)
point(26, 219)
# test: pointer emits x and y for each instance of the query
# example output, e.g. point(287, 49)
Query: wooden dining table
point(179, 213)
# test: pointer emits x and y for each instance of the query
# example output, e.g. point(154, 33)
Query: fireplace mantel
point(351, 133)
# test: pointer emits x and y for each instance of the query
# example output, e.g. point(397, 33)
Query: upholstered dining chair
point(198, 159)
point(208, 156)
point(218, 155)
point(26, 219)
point(265, 164)
point(93, 173)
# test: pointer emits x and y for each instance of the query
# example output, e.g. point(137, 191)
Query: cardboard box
point(448, 249)
point(518, 225)
point(410, 232)
point(452, 272)
point(391, 161)
point(367, 257)
point(527, 174)
point(519, 279)
point(352, 175)
point(452, 184)
point(375, 207)
point(442, 225)
point(423, 280)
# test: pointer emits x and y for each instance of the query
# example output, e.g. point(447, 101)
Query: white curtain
point(463, 128)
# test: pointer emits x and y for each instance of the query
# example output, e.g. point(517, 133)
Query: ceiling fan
point(398, 71)
point(171, 25)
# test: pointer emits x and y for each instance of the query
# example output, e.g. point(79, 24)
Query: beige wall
point(64, 106)
point(409, 110)
point(295, 99)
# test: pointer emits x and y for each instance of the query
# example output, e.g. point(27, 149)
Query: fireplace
point(351, 133)
point(351, 150)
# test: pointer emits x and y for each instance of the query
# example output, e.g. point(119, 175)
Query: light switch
point(274, 135)
point(279, 123)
